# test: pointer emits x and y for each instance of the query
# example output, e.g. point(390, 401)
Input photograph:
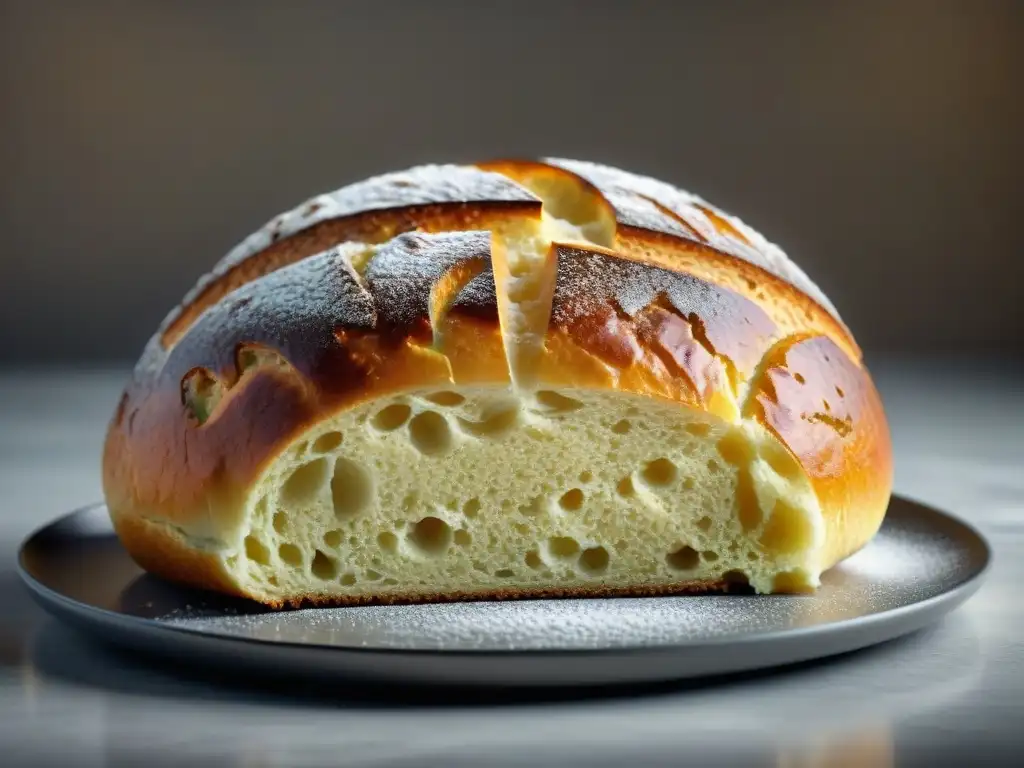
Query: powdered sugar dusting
point(404, 271)
point(420, 185)
point(619, 185)
point(293, 310)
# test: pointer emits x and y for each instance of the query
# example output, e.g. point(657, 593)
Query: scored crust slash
point(517, 379)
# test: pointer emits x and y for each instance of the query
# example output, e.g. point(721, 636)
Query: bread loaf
point(516, 379)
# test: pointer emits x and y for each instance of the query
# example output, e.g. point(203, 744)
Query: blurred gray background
point(880, 143)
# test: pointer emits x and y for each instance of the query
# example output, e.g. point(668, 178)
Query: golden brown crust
point(158, 548)
point(684, 303)
point(642, 329)
point(655, 223)
point(827, 411)
point(788, 307)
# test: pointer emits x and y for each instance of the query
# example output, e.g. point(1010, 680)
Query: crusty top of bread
point(436, 198)
point(644, 203)
point(433, 198)
point(390, 283)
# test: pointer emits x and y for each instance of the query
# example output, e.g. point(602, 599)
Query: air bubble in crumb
point(431, 535)
point(704, 523)
point(471, 508)
point(571, 500)
point(351, 488)
point(392, 417)
point(736, 578)
point(533, 560)
point(290, 554)
point(563, 546)
point(621, 427)
point(256, 551)
point(304, 484)
point(683, 559)
point(332, 539)
point(554, 402)
point(445, 399)
point(462, 538)
point(327, 442)
point(625, 486)
point(348, 579)
point(387, 541)
point(280, 521)
point(323, 567)
point(430, 434)
point(494, 425)
point(698, 428)
point(659, 472)
point(594, 560)
point(586, 476)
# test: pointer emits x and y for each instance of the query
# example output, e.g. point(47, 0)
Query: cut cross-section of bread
point(460, 492)
point(521, 379)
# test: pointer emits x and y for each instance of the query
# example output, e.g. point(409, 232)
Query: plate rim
point(62, 606)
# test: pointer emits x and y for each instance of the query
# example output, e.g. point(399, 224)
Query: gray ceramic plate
point(922, 564)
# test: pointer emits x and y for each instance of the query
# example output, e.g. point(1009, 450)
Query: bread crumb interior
point(477, 491)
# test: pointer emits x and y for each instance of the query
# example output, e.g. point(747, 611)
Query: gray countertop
point(952, 694)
